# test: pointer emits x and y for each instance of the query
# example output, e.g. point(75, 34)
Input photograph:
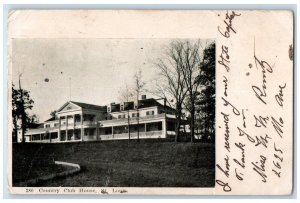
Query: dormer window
point(121, 116)
point(149, 113)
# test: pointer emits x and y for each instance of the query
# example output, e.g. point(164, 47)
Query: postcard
point(150, 102)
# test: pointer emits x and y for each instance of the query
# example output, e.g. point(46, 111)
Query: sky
point(86, 70)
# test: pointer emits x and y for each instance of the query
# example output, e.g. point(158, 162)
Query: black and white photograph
point(113, 112)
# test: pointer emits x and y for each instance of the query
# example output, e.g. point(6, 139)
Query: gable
point(69, 107)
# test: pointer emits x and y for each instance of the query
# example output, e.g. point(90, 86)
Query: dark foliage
point(205, 102)
point(21, 103)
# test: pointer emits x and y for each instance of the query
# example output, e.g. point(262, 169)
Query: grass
point(150, 163)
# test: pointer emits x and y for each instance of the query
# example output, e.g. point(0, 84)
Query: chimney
point(143, 97)
point(122, 106)
point(111, 107)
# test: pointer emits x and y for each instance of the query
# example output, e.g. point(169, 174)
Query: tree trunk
point(15, 131)
point(192, 120)
point(178, 123)
point(128, 125)
point(206, 127)
point(23, 114)
point(23, 123)
point(138, 118)
point(186, 139)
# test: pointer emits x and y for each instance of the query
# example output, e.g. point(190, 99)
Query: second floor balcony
point(133, 120)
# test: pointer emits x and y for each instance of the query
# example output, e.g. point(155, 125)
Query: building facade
point(75, 122)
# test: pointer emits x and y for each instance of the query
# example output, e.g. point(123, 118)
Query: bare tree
point(180, 67)
point(139, 85)
point(126, 95)
point(191, 69)
point(53, 114)
point(172, 86)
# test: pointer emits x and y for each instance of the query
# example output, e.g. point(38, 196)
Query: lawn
point(150, 163)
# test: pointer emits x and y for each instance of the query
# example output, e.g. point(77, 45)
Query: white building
point(76, 121)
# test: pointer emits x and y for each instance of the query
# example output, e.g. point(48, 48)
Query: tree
point(139, 85)
point(171, 86)
point(32, 120)
point(21, 102)
point(205, 102)
point(53, 114)
point(15, 112)
point(191, 69)
point(126, 95)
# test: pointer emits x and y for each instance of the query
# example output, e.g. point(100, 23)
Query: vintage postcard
point(150, 102)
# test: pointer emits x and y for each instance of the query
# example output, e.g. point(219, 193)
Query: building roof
point(144, 103)
point(51, 119)
point(153, 102)
point(35, 125)
point(90, 106)
point(148, 103)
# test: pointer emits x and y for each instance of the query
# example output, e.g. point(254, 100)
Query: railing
point(90, 123)
point(133, 135)
point(135, 119)
point(41, 130)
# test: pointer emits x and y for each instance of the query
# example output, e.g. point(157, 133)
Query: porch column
point(73, 126)
point(81, 120)
point(66, 128)
point(59, 124)
point(164, 130)
point(112, 131)
point(145, 129)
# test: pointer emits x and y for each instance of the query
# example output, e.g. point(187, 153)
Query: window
point(120, 129)
point(149, 113)
point(54, 135)
point(156, 126)
point(36, 137)
point(48, 126)
point(56, 124)
point(135, 115)
point(121, 116)
point(105, 131)
point(46, 136)
point(134, 128)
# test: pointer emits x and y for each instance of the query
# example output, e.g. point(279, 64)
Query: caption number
point(28, 190)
